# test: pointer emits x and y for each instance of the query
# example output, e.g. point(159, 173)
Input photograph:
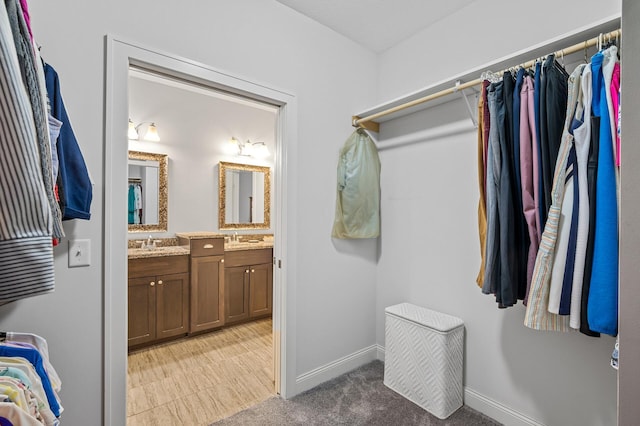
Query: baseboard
point(380, 352)
point(485, 405)
point(496, 410)
point(329, 371)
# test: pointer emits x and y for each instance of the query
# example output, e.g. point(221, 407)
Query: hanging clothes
point(603, 293)
point(569, 253)
point(529, 173)
point(483, 136)
point(492, 248)
point(565, 245)
point(582, 141)
point(537, 315)
point(74, 176)
point(33, 79)
point(26, 253)
point(134, 204)
point(358, 194)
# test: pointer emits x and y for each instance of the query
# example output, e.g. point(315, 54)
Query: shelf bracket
point(472, 116)
point(369, 125)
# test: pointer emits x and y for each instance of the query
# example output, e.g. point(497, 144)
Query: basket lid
point(425, 317)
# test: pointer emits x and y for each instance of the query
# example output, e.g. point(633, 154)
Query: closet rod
point(369, 123)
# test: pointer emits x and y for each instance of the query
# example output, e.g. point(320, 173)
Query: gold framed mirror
point(147, 192)
point(244, 196)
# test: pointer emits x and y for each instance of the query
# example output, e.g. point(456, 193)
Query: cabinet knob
point(160, 282)
point(246, 271)
point(253, 270)
point(222, 261)
point(152, 283)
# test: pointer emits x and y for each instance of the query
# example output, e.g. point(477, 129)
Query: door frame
point(120, 55)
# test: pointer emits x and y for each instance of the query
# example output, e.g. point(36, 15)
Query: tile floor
point(202, 379)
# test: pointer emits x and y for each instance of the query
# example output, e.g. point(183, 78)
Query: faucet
point(151, 244)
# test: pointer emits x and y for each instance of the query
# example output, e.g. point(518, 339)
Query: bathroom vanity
point(199, 284)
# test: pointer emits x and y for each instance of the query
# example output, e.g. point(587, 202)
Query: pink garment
point(615, 100)
point(529, 173)
point(27, 18)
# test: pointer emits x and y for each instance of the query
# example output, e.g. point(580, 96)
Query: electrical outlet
point(79, 253)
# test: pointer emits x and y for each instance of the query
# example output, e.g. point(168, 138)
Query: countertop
point(243, 245)
point(200, 234)
point(138, 253)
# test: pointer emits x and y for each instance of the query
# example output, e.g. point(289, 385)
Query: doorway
point(231, 366)
point(122, 54)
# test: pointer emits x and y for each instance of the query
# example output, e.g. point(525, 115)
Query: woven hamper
point(423, 357)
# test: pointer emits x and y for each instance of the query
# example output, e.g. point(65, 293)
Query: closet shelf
point(431, 96)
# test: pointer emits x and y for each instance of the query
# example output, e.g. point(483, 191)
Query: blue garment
point(516, 130)
point(602, 306)
point(567, 280)
point(73, 174)
point(34, 357)
point(131, 208)
point(492, 249)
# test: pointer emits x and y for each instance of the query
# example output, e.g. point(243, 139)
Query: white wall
point(429, 246)
point(194, 132)
point(264, 42)
point(478, 34)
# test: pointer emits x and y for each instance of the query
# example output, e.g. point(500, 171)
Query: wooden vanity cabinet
point(158, 299)
point(207, 283)
point(248, 284)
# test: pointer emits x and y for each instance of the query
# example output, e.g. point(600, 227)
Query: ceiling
point(376, 24)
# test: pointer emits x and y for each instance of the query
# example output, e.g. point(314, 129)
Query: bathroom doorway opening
point(121, 55)
point(231, 366)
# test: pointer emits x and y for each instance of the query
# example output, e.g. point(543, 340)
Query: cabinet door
point(207, 293)
point(172, 301)
point(236, 282)
point(261, 290)
point(142, 310)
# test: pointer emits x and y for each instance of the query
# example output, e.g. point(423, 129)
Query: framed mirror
point(147, 192)
point(244, 196)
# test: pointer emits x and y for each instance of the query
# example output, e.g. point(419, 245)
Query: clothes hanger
point(586, 59)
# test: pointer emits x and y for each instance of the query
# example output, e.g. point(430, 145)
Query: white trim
point(485, 405)
point(496, 410)
point(380, 352)
point(326, 372)
point(120, 54)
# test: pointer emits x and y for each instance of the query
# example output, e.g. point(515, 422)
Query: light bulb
point(132, 133)
point(152, 134)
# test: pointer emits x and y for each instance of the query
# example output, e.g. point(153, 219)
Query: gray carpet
point(356, 398)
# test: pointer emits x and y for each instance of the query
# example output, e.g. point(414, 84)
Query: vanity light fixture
point(260, 150)
point(151, 135)
point(248, 149)
point(132, 132)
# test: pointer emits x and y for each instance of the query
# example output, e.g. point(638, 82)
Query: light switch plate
point(79, 253)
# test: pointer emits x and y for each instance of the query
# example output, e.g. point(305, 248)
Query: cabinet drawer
point(207, 247)
point(161, 265)
point(248, 257)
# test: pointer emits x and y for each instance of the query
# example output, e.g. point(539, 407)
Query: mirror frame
point(222, 192)
point(163, 197)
